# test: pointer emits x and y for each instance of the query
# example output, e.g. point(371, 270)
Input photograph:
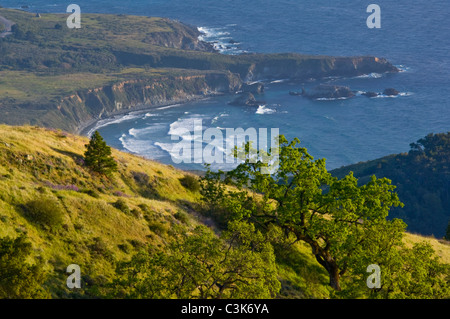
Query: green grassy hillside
point(96, 232)
point(39, 164)
point(104, 221)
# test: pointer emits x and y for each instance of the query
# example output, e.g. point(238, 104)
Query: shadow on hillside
point(76, 157)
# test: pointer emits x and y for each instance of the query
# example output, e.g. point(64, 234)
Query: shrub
point(136, 243)
point(44, 211)
point(182, 217)
point(124, 247)
point(91, 193)
point(99, 247)
point(18, 278)
point(190, 182)
point(141, 178)
point(120, 194)
point(158, 228)
point(121, 205)
point(136, 213)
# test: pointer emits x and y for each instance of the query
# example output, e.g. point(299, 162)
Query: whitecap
point(134, 145)
point(168, 106)
point(220, 39)
point(331, 99)
point(279, 81)
point(401, 94)
point(114, 120)
point(403, 68)
point(370, 76)
point(152, 127)
point(262, 109)
point(149, 115)
point(216, 118)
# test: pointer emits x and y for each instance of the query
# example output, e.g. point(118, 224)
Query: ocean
point(413, 36)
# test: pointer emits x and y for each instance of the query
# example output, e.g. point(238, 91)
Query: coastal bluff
point(55, 77)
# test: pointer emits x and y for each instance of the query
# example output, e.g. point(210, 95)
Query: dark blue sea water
point(414, 36)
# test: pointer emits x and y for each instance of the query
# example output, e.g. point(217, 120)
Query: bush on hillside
point(44, 211)
point(190, 182)
point(121, 205)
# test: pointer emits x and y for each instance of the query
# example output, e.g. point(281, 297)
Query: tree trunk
point(334, 278)
point(333, 270)
point(326, 261)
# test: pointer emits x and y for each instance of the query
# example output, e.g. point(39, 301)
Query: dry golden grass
point(440, 246)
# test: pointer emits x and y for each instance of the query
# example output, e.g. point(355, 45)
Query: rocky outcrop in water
point(254, 88)
point(391, 92)
point(370, 94)
point(329, 92)
point(246, 99)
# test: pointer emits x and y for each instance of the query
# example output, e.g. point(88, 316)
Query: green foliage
point(98, 156)
point(190, 182)
point(422, 177)
point(121, 205)
point(44, 211)
point(18, 278)
point(181, 216)
point(91, 193)
point(212, 191)
point(344, 223)
point(406, 273)
point(201, 265)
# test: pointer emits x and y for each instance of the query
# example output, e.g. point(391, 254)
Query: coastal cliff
point(55, 77)
point(88, 106)
point(299, 67)
point(93, 104)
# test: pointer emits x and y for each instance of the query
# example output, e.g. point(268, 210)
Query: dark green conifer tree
point(98, 156)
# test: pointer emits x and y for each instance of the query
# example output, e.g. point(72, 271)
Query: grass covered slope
point(92, 221)
point(97, 222)
point(73, 216)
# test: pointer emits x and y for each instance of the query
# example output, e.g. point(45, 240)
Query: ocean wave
point(217, 117)
point(393, 96)
point(168, 106)
point(263, 109)
point(186, 127)
point(166, 147)
point(370, 76)
point(220, 39)
point(331, 99)
point(150, 115)
point(151, 128)
point(115, 120)
point(134, 145)
point(279, 81)
point(403, 68)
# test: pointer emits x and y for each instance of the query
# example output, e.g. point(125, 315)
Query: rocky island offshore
point(64, 78)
